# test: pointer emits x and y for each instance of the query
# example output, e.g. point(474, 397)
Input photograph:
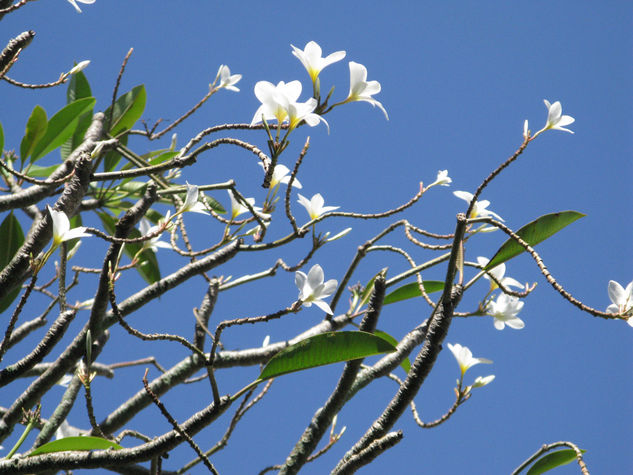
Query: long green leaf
point(533, 233)
point(35, 129)
point(147, 264)
point(127, 110)
point(411, 290)
point(78, 88)
point(61, 126)
point(553, 460)
point(406, 364)
point(323, 349)
point(11, 238)
point(75, 443)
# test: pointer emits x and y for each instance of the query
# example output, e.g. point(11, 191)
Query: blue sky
point(457, 81)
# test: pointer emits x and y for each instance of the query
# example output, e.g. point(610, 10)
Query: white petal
point(323, 306)
point(616, 293)
point(315, 276)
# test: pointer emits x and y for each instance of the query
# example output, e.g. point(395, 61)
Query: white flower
point(526, 131)
point(280, 102)
point(61, 228)
point(74, 3)
point(505, 310)
point(191, 201)
point(464, 357)
point(311, 58)
point(498, 273)
point(360, 89)
point(442, 179)
point(555, 119)
point(281, 174)
point(314, 206)
point(621, 299)
point(154, 243)
point(238, 208)
point(65, 430)
point(227, 80)
point(481, 382)
point(79, 67)
point(313, 289)
point(480, 206)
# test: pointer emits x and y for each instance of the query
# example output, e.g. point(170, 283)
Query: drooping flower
point(154, 243)
point(313, 289)
point(227, 80)
point(442, 179)
point(61, 228)
point(360, 89)
point(464, 357)
point(505, 310)
point(281, 174)
point(237, 207)
point(555, 118)
point(191, 201)
point(481, 382)
point(311, 58)
point(480, 206)
point(621, 299)
point(314, 206)
point(74, 3)
point(498, 272)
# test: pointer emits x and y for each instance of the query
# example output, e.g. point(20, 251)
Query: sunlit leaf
point(78, 87)
point(75, 443)
point(533, 233)
point(552, 460)
point(35, 129)
point(323, 349)
point(36, 171)
point(127, 110)
point(147, 264)
point(412, 290)
point(61, 126)
point(406, 364)
point(11, 238)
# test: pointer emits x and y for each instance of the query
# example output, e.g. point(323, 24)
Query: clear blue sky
point(457, 81)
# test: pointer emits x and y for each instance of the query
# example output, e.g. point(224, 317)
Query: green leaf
point(127, 110)
point(36, 171)
point(147, 264)
point(78, 87)
point(61, 126)
point(364, 297)
point(533, 233)
point(11, 239)
point(75, 443)
point(553, 460)
point(323, 349)
point(35, 129)
point(406, 364)
point(411, 290)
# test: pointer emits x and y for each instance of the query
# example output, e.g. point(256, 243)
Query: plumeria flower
point(481, 382)
point(65, 430)
point(498, 273)
point(313, 289)
point(442, 179)
point(362, 90)
point(314, 206)
point(191, 201)
point(238, 208)
point(464, 357)
point(74, 3)
point(79, 67)
point(480, 206)
point(311, 58)
point(622, 299)
point(302, 111)
point(274, 100)
point(154, 243)
point(526, 130)
point(281, 174)
point(61, 228)
point(555, 119)
point(504, 310)
point(227, 80)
